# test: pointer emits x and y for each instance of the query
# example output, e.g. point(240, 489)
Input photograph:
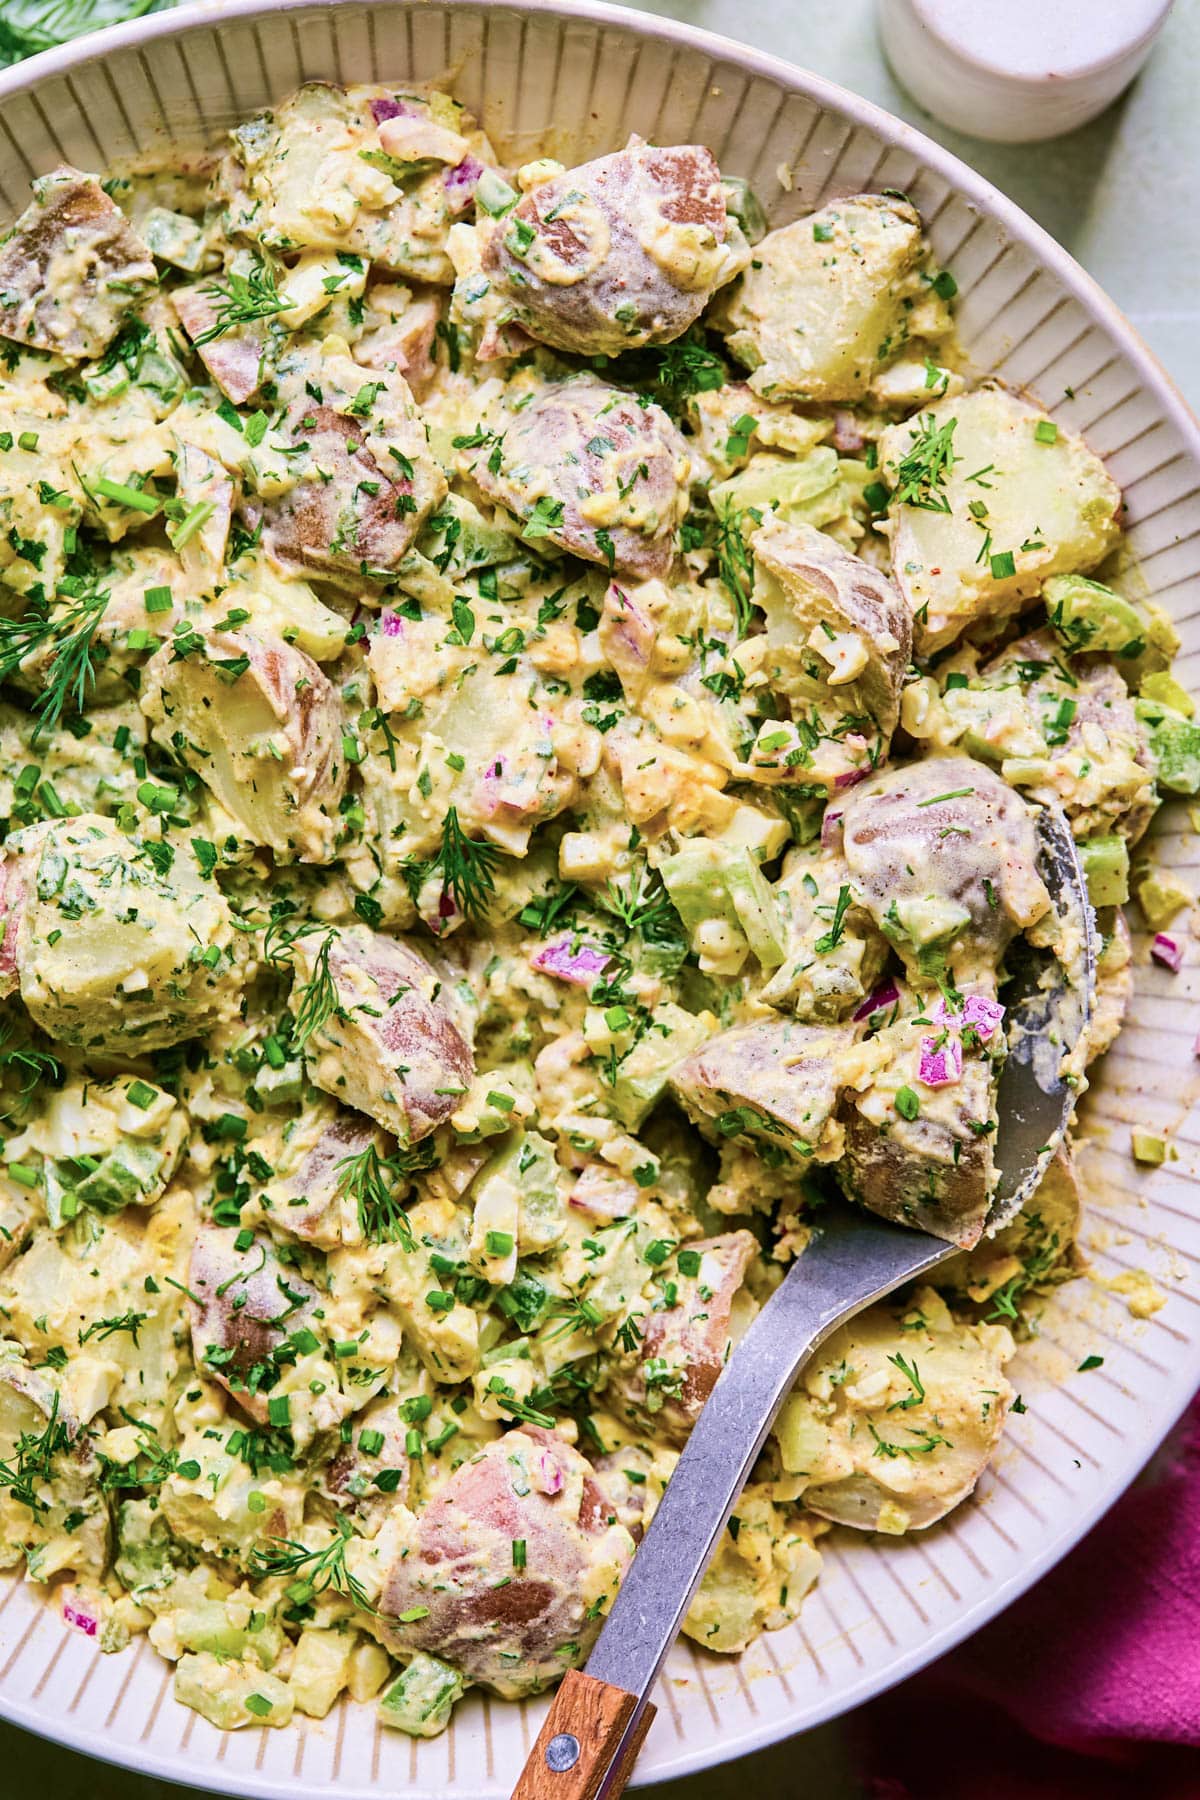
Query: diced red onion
point(393, 624)
point(981, 1015)
point(847, 435)
point(460, 183)
point(831, 830)
point(546, 1475)
point(82, 1621)
point(568, 959)
point(886, 995)
point(634, 629)
point(593, 1206)
point(941, 1063)
point(388, 107)
point(984, 1016)
point(1166, 951)
point(850, 778)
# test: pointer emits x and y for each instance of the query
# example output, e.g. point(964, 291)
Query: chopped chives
point(122, 495)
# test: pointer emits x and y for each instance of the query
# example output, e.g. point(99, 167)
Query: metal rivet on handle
point(562, 1752)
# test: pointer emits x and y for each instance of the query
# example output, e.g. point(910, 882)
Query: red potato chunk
point(595, 471)
point(943, 854)
point(362, 480)
point(773, 1086)
point(516, 1635)
point(350, 1479)
point(263, 725)
point(306, 1200)
point(243, 1305)
point(395, 1046)
point(831, 619)
point(685, 1347)
point(114, 955)
point(935, 1172)
point(400, 331)
point(620, 252)
point(71, 268)
point(239, 361)
point(13, 883)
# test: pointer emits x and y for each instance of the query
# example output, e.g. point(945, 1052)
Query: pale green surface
point(1118, 195)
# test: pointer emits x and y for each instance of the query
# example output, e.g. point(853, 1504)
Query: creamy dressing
point(483, 869)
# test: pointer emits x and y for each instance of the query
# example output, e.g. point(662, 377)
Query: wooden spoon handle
point(584, 1729)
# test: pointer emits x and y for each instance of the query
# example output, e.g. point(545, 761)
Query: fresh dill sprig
point(241, 300)
point(735, 565)
point(641, 904)
point(317, 999)
point(467, 867)
point(70, 673)
point(31, 1066)
point(370, 1180)
point(34, 1455)
point(921, 473)
point(314, 1570)
point(150, 1467)
point(630, 1334)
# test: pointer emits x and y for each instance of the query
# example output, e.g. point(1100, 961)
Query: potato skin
point(774, 1085)
point(603, 461)
point(1120, 796)
point(693, 1337)
point(233, 1303)
point(516, 1636)
point(946, 830)
point(266, 740)
point(364, 481)
point(239, 360)
point(616, 253)
point(307, 1200)
point(805, 579)
point(70, 267)
point(932, 1172)
point(393, 1048)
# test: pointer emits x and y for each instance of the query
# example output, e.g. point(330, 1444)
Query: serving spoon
point(600, 1715)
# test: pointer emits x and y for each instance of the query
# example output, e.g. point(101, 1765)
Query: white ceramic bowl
point(576, 79)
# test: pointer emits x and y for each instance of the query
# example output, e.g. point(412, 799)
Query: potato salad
point(526, 700)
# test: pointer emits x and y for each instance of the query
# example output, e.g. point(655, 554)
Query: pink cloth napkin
point(1088, 1687)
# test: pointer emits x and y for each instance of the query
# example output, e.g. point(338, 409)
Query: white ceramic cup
point(1017, 71)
